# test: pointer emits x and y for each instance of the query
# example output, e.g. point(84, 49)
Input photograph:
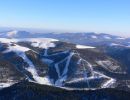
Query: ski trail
point(20, 51)
point(84, 67)
point(33, 71)
point(81, 59)
point(57, 69)
point(57, 66)
point(85, 75)
point(67, 64)
point(108, 83)
point(46, 52)
point(63, 77)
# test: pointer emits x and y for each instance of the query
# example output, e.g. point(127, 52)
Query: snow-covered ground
point(7, 84)
point(20, 51)
point(46, 43)
point(36, 42)
point(43, 43)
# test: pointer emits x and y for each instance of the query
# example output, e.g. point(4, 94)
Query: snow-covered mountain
point(52, 62)
point(15, 34)
point(82, 61)
point(90, 38)
point(89, 35)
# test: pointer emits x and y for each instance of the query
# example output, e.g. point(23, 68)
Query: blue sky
point(112, 16)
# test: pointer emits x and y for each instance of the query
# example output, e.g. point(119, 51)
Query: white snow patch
point(12, 33)
point(94, 37)
point(83, 47)
point(35, 42)
point(5, 40)
point(79, 61)
point(114, 44)
point(45, 44)
point(33, 71)
point(47, 61)
point(60, 81)
point(17, 49)
point(108, 83)
point(39, 40)
point(3, 85)
point(107, 37)
point(120, 38)
point(42, 42)
point(37, 78)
